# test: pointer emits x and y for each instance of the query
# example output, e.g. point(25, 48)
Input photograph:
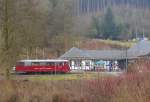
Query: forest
point(131, 17)
point(88, 6)
point(46, 29)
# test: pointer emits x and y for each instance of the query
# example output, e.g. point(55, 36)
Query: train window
point(43, 63)
point(60, 63)
point(27, 63)
point(50, 63)
point(35, 63)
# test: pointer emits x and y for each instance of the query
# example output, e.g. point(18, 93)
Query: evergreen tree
point(109, 26)
point(95, 31)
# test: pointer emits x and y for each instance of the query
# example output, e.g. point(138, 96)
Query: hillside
point(134, 22)
point(90, 6)
point(93, 44)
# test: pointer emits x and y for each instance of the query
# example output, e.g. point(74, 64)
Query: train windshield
point(23, 63)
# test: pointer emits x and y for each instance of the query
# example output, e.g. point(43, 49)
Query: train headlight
point(14, 68)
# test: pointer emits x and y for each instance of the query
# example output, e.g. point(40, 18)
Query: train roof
point(43, 60)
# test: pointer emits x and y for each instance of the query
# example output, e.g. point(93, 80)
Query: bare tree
point(23, 25)
point(61, 21)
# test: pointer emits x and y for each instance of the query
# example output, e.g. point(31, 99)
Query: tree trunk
point(6, 38)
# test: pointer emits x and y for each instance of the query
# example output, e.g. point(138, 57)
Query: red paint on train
point(42, 66)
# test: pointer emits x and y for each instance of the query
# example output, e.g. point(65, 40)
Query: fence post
point(126, 60)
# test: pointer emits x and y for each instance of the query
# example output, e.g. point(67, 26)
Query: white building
point(105, 60)
point(93, 60)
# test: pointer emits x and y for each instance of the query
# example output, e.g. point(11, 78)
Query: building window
point(77, 63)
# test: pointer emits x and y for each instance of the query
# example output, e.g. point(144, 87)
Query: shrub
point(128, 87)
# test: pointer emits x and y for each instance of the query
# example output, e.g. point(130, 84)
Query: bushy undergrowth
point(128, 87)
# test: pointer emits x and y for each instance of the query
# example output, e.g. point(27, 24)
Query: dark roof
point(140, 49)
point(75, 53)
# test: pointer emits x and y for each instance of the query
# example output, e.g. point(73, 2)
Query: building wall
point(89, 65)
point(81, 64)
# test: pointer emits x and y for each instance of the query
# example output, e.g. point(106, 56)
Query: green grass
point(59, 77)
point(120, 43)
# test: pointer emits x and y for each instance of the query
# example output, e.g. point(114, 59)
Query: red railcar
point(42, 66)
